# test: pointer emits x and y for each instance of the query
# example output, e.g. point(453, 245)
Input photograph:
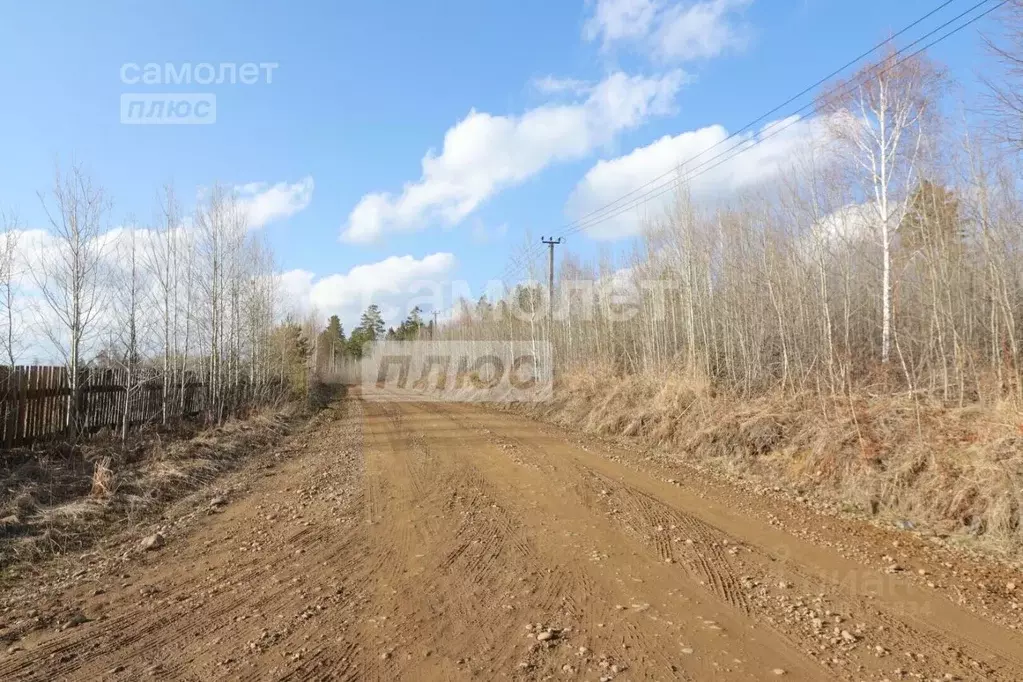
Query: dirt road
point(436, 542)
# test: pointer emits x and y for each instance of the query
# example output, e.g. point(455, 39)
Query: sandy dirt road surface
point(430, 541)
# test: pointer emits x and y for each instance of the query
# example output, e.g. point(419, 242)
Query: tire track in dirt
point(563, 593)
point(629, 637)
point(707, 558)
point(663, 527)
point(898, 632)
point(469, 557)
point(490, 554)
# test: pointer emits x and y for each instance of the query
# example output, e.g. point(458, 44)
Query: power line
point(610, 210)
point(582, 223)
point(775, 130)
point(787, 102)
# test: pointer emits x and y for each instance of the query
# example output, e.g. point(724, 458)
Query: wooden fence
point(35, 400)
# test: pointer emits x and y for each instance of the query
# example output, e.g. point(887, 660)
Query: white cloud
point(391, 283)
point(556, 85)
point(263, 203)
point(619, 20)
point(670, 31)
point(32, 244)
point(779, 143)
point(484, 153)
point(295, 287)
point(849, 223)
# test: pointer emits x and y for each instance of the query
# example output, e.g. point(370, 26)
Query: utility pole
point(434, 331)
point(551, 243)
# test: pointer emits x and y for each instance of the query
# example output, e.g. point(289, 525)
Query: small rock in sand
point(151, 542)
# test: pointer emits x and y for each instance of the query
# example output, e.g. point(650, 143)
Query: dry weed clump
point(103, 479)
point(953, 469)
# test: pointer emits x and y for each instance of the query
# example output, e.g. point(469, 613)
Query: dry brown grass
point(65, 498)
point(956, 470)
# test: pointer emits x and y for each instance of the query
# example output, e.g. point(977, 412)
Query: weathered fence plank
point(21, 383)
point(35, 401)
point(10, 393)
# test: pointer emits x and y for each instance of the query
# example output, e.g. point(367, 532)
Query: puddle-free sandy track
point(431, 541)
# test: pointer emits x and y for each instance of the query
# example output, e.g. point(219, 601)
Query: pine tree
point(372, 322)
point(410, 328)
point(371, 328)
point(484, 309)
point(931, 220)
point(357, 341)
point(332, 345)
point(292, 349)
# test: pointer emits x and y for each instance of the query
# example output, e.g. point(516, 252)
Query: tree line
point(334, 350)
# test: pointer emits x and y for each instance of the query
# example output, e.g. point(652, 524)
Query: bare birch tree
point(129, 324)
point(161, 259)
point(10, 271)
point(880, 117)
point(70, 271)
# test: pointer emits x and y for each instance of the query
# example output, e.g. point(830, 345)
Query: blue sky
point(542, 105)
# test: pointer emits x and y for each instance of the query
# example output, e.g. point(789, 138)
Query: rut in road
point(397, 540)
